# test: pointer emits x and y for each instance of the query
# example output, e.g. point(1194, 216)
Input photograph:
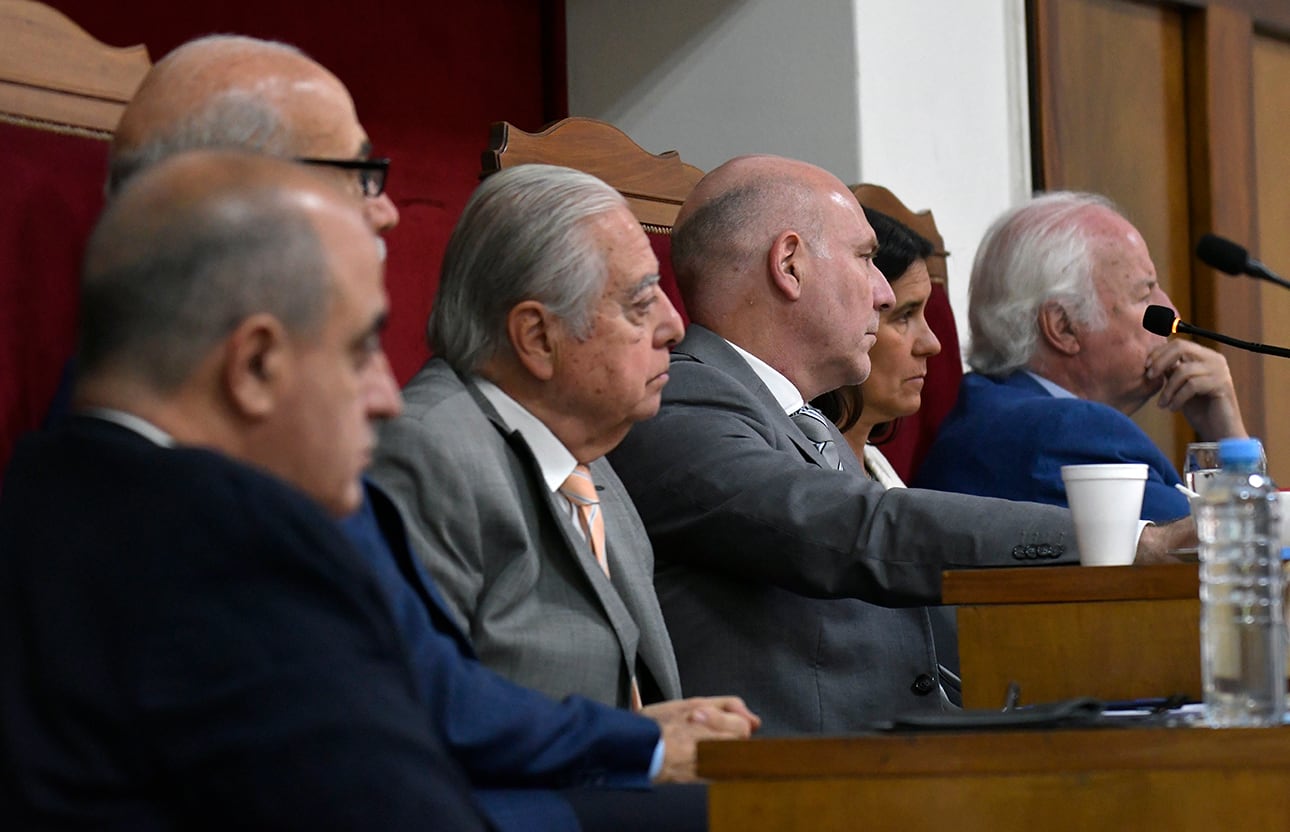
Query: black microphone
point(1230, 258)
point(1162, 321)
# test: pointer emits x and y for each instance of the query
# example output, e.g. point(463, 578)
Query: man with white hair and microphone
point(1061, 361)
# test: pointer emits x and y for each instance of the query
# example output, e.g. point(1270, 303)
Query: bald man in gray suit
point(783, 571)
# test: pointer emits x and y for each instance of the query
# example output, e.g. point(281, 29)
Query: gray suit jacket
point(522, 581)
point(762, 549)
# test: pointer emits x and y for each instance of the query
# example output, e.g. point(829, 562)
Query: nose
point(927, 344)
point(883, 297)
point(381, 393)
point(671, 329)
point(380, 213)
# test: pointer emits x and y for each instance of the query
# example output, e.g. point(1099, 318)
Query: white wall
point(927, 97)
point(718, 78)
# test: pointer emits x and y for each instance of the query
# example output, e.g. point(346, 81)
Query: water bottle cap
point(1239, 451)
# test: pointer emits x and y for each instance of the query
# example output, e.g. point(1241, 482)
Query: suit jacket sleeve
point(277, 688)
point(721, 486)
point(999, 423)
point(504, 735)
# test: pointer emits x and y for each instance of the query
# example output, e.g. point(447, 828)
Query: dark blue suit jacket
point(1009, 437)
point(187, 643)
point(516, 744)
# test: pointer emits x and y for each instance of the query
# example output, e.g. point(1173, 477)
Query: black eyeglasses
point(371, 172)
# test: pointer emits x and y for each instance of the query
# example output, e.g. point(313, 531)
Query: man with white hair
point(1062, 361)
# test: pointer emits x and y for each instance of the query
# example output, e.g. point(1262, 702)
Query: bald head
point(728, 224)
point(775, 255)
point(227, 91)
point(189, 249)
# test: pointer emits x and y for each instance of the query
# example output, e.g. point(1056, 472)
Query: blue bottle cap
point(1239, 451)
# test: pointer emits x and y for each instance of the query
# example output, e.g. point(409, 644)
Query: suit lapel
point(579, 550)
point(631, 564)
point(705, 346)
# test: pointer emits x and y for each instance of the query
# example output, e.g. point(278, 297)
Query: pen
point(1184, 489)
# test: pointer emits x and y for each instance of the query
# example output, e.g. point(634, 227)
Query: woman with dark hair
point(899, 356)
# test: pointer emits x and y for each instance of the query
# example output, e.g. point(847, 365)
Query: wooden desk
point(1118, 778)
point(1114, 632)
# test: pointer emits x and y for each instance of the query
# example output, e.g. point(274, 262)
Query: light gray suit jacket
point(503, 549)
point(762, 550)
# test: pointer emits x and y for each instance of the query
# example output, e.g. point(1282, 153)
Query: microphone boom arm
point(1164, 321)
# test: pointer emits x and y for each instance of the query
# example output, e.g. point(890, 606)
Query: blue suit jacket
point(187, 643)
point(515, 744)
point(1009, 437)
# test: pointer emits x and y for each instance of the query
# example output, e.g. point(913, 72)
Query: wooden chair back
point(654, 185)
point(61, 95)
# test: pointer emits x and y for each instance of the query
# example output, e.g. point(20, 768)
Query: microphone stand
point(1249, 346)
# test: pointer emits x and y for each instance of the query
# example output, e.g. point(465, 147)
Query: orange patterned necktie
point(580, 490)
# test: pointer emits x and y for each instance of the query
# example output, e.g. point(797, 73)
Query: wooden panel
point(1062, 584)
point(1221, 155)
point(1183, 778)
point(1115, 632)
point(1272, 165)
point(1059, 651)
point(1198, 800)
point(1111, 118)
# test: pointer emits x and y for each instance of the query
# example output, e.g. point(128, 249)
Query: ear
point(1057, 330)
point(787, 261)
point(534, 335)
point(257, 365)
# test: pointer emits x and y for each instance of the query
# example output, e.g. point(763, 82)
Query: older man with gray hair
point(1062, 361)
point(551, 335)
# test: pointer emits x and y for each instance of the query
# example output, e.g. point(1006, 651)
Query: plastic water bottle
point(1242, 630)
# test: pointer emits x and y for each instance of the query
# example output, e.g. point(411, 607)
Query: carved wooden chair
point(655, 185)
point(61, 95)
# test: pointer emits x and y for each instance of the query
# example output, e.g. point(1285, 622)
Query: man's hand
point(1156, 542)
point(1198, 382)
point(686, 721)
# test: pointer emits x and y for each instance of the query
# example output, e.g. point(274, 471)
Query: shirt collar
point(130, 422)
point(784, 391)
point(1051, 386)
point(553, 458)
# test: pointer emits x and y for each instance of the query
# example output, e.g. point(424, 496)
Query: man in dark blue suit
point(186, 640)
point(1062, 361)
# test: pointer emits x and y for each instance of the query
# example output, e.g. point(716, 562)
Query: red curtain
point(428, 79)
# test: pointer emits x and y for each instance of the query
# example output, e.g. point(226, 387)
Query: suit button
point(923, 684)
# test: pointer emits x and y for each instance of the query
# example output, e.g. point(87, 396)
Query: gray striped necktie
point(816, 427)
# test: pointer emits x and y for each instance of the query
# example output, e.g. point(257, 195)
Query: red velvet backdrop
point(428, 79)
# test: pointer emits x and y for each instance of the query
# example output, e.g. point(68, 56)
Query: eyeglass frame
point(372, 173)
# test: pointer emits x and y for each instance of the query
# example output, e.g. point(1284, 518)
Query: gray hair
point(1033, 254)
point(525, 234)
point(233, 118)
point(165, 280)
